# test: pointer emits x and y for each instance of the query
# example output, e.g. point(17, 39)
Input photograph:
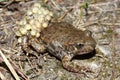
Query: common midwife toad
point(64, 41)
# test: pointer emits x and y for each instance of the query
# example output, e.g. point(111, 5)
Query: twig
point(110, 24)
point(9, 66)
point(55, 4)
point(94, 22)
point(98, 11)
point(63, 16)
point(113, 76)
point(8, 3)
point(21, 73)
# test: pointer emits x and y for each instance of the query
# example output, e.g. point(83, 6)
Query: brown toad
point(64, 41)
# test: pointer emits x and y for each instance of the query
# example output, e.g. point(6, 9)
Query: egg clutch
point(35, 19)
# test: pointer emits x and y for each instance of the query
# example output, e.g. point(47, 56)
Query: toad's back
point(63, 32)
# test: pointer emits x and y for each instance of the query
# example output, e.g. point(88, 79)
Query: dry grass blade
point(2, 76)
point(9, 66)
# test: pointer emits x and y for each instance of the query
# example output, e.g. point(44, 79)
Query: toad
point(64, 41)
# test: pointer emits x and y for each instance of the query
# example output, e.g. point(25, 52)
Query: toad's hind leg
point(74, 66)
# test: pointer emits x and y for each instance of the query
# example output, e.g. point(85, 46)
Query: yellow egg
point(18, 33)
point(27, 26)
point(40, 12)
point(34, 27)
point(37, 34)
point(23, 31)
point(35, 10)
point(20, 40)
point(42, 9)
point(37, 5)
point(17, 22)
point(48, 17)
point(31, 22)
point(33, 32)
point(45, 24)
point(45, 12)
point(29, 12)
point(40, 18)
point(50, 13)
point(23, 22)
point(37, 24)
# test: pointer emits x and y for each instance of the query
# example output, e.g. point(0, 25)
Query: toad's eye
point(79, 45)
point(88, 33)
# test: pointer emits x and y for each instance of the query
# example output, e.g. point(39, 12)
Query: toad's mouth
point(84, 50)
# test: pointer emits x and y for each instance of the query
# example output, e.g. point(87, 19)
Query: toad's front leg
point(74, 66)
point(32, 45)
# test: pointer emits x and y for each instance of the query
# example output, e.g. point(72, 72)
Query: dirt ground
point(101, 17)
